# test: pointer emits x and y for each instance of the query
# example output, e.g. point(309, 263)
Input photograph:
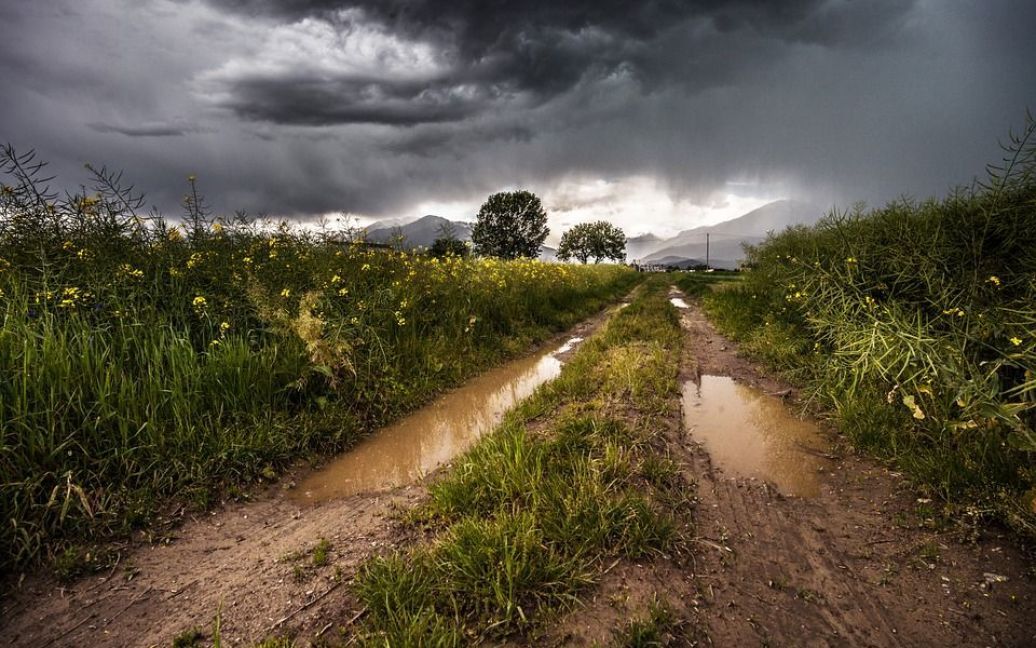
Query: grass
point(528, 519)
point(657, 629)
point(141, 362)
point(914, 325)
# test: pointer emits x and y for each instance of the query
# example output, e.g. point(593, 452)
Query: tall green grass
point(916, 324)
point(572, 479)
point(141, 361)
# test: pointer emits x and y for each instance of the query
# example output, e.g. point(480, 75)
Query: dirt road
point(253, 562)
point(850, 566)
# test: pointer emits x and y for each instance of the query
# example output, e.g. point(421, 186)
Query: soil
point(251, 562)
point(854, 565)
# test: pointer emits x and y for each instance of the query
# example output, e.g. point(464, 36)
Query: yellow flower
point(199, 302)
point(217, 228)
point(365, 267)
point(342, 292)
point(286, 292)
point(336, 279)
point(1016, 341)
point(130, 271)
point(995, 280)
point(68, 246)
point(247, 261)
point(224, 327)
point(196, 258)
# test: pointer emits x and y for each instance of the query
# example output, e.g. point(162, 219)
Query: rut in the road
point(839, 568)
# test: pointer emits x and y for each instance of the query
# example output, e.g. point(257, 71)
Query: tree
point(444, 247)
point(600, 240)
point(447, 243)
point(510, 224)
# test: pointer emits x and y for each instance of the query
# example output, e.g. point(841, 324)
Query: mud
point(404, 453)
point(250, 561)
point(856, 564)
point(752, 434)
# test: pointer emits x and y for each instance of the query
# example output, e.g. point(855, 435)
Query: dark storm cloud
point(528, 53)
point(375, 106)
point(160, 129)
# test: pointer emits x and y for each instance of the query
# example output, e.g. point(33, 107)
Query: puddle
point(567, 346)
point(408, 450)
point(751, 434)
point(679, 302)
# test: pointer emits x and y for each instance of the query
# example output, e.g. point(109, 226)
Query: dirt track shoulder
point(852, 566)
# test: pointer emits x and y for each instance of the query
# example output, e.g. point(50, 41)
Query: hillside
point(727, 238)
point(419, 233)
point(639, 246)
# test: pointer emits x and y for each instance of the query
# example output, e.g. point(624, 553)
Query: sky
point(659, 115)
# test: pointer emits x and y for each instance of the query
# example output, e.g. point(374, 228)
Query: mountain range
point(724, 240)
point(685, 249)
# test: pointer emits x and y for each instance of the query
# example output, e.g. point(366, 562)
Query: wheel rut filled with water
point(803, 542)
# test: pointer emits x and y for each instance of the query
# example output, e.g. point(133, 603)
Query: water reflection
point(752, 434)
point(411, 448)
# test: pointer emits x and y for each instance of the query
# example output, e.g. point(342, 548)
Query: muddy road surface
point(261, 564)
point(811, 545)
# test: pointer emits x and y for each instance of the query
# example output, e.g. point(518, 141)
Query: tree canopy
point(510, 224)
point(599, 240)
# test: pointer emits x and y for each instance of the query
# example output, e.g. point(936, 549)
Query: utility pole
point(706, 250)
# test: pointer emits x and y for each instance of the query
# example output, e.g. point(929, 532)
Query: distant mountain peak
point(726, 239)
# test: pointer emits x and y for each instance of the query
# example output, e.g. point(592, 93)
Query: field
point(573, 479)
point(143, 362)
point(152, 373)
point(914, 326)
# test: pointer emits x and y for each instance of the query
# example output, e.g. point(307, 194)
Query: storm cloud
point(384, 107)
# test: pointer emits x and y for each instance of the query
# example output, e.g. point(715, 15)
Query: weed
point(188, 638)
point(914, 324)
point(526, 518)
point(145, 361)
point(321, 553)
point(657, 629)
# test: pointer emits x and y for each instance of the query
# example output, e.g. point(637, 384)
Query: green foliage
point(445, 247)
point(447, 243)
point(140, 361)
point(599, 239)
point(916, 323)
point(659, 628)
point(529, 518)
point(510, 224)
point(188, 638)
point(321, 553)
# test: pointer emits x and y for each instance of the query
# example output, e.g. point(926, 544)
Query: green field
point(143, 363)
point(914, 325)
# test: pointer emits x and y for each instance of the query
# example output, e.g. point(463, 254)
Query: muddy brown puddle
point(408, 450)
point(752, 434)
